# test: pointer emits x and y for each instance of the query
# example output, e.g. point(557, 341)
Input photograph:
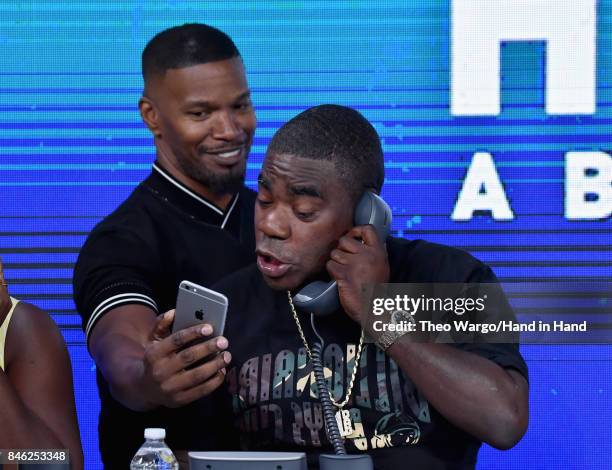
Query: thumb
point(369, 236)
point(163, 325)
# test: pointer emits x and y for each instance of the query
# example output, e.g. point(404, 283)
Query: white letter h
point(567, 26)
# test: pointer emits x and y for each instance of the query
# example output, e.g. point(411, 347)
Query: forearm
point(471, 392)
point(22, 429)
point(117, 345)
point(123, 369)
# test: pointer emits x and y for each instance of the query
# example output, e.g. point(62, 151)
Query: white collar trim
point(198, 198)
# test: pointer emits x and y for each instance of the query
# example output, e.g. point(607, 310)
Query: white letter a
point(482, 191)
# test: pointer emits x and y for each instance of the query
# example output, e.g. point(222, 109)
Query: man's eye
point(304, 215)
point(198, 114)
point(244, 105)
point(263, 203)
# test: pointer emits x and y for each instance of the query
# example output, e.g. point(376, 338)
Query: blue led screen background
point(72, 147)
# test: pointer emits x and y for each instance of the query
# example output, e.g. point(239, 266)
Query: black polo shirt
point(162, 234)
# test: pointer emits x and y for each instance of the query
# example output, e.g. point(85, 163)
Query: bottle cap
point(155, 433)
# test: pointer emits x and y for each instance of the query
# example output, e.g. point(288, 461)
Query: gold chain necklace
point(357, 357)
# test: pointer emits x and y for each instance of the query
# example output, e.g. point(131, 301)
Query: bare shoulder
point(32, 332)
point(30, 320)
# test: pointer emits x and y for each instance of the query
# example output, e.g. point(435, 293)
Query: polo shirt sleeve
point(115, 267)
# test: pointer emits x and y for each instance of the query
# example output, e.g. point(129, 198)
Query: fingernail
point(222, 343)
point(223, 371)
point(227, 357)
point(207, 330)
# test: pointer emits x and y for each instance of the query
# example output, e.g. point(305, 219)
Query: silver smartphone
point(196, 304)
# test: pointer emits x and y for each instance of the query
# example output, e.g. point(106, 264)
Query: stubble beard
point(228, 183)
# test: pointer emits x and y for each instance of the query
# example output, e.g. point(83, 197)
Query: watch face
point(399, 316)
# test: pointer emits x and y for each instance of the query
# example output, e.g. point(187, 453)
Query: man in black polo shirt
point(412, 405)
point(191, 218)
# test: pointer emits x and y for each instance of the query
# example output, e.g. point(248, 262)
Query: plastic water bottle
point(154, 454)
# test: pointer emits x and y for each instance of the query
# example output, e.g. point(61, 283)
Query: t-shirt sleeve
point(507, 355)
point(115, 267)
point(424, 262)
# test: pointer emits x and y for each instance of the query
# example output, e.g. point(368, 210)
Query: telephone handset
point(321, 298)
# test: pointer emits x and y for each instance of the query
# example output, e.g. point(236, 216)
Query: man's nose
point(226, 126)
point(273, 223)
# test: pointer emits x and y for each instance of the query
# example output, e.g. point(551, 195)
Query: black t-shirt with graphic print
point(161, 235)
point(273, 394)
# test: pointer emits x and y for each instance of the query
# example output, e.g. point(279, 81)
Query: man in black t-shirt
point(412, 405)
point(190, 219)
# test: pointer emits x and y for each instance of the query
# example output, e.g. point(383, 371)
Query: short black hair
point(184, 46)
point(340, 135)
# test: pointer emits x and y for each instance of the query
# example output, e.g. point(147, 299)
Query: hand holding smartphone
point(189, 363)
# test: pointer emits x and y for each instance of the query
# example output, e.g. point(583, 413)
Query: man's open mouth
point(271, 266)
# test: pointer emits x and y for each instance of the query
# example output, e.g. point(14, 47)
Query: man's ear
point(149, 115)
